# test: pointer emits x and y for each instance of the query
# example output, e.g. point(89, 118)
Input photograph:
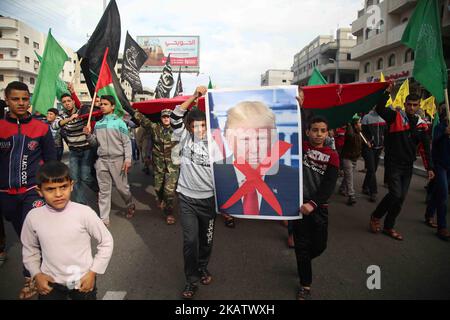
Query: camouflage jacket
point(165, 152)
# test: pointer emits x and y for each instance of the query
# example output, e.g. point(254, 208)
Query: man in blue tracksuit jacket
point(25, 144)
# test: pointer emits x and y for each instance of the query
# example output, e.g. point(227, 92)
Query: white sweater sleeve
point(177, 123)
point(31, 250)
point(97, 229)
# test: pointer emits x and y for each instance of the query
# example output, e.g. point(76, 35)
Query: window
point(27, 59)
point(31, 80)
point(367, 33)
point(409, 55)
point(27, 40)
point(1, 34)
point(284, 81)
point(349, 56)
point(367, 67)
point(380, 64)
point(380, 27)
point(20, 78)
point(35, 45)
point(392, 60)
point(70, 73)
point(2, 78)
point(1, 56)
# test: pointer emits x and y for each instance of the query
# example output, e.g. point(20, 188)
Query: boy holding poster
point(320, 173)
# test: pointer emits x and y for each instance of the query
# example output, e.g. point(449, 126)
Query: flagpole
point(90, 111)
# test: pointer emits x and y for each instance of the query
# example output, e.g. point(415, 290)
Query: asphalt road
point(252, 261)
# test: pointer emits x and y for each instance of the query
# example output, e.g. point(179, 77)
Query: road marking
point(115, 295)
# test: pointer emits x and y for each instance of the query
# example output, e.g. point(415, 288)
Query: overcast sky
point(240, 39)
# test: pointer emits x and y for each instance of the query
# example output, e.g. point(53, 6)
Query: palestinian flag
point(338, 103)
point(105, 84)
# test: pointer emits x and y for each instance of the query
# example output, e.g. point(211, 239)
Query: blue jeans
point(439, 197)
point(81, 172)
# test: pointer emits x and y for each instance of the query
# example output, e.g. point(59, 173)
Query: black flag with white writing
point(133, 59)
point(179, 87)
point(165, 82)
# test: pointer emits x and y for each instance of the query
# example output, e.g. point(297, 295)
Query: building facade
point(275, 77)
point(330, 55)
point(379, 48)
point(18, 62)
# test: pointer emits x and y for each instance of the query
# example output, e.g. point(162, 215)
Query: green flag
point(316, 78)
point(61, 86)
point(210, 86)
point(423, 35)
point(53, 61)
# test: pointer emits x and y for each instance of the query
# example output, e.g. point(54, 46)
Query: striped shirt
point(72, 132)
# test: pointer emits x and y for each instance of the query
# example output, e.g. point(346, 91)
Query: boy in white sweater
point(56, 240)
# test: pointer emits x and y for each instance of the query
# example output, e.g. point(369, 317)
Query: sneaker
point(351, 201)
point(290, 241)
point(304, 293)
point(443, 234)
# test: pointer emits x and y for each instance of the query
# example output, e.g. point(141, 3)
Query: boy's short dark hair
point(195, 115)
point(109, 98)
point(317, 119)
point(412, 97)
point(53, 172)
point(16, 85)
point(65, 95)
point(54, 110)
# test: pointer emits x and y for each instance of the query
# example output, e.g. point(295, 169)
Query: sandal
point(29, 289)
point(429, 222)
point(206, 277)
point(189, 291)
point(229, 221)
point(304, 294)
point(3, 257)
point(375, 225)
point(170, 219)
point(130, 211)
point(393, 234)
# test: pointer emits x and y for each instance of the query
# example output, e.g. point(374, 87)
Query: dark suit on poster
point(284, 185)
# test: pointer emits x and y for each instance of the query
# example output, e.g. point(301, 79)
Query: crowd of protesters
point(45, 200)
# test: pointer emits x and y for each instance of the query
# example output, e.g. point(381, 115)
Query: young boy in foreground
point(320, 173)
point(56, 240)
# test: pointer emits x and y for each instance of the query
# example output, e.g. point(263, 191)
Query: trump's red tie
point(251, 203)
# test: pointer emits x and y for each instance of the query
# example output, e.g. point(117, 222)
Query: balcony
point(9, 43)
point(9, 65)
point(399, 6)
point(8, 24)
point(395, 34)
point(330, 47)
point(369, 46)
point(360, 23)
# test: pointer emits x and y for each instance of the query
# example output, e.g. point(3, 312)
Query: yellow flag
point(402, 93)
point(389, 102)
point(429, 106)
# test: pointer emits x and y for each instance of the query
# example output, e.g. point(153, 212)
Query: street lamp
point(337, 69)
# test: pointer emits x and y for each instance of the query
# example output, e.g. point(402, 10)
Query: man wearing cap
point(165, 158)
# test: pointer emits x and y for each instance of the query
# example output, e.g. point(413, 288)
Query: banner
point(184, 52)
point(255, 152)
